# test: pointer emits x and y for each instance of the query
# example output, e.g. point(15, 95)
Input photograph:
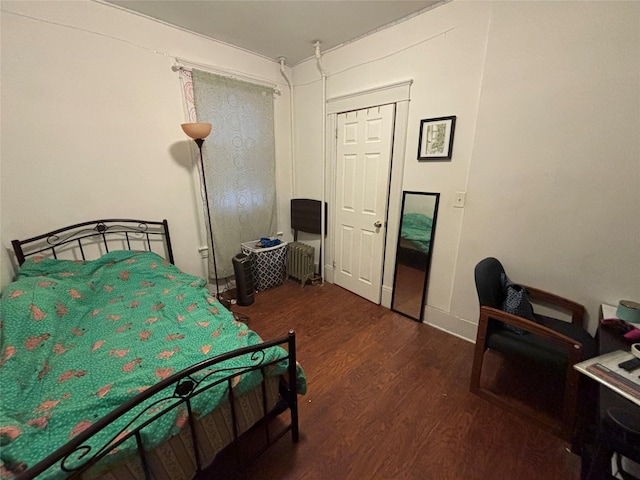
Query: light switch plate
point(458, 199)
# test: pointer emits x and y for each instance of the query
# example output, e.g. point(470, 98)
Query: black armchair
point(548, 342)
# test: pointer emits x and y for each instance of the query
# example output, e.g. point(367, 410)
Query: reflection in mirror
point(413, 256)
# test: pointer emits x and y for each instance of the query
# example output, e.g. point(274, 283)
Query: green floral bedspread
point(416, 227)
point(77, 339)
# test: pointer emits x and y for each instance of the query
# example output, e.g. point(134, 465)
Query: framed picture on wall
point(436, 138)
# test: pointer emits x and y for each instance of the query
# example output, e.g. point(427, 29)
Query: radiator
point(300, 257)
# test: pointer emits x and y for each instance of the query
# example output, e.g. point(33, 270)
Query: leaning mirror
point(413, 255)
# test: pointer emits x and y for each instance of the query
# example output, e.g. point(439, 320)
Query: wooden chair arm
point(577, 311)
point(573, 347)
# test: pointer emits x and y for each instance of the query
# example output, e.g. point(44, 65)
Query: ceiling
point(279, 28)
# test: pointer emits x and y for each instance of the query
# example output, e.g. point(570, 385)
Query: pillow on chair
point(516, 302)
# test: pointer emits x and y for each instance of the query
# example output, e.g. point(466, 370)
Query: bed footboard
point(178, 391)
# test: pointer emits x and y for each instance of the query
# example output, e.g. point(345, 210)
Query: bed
point(115, 364)
point(415, 240)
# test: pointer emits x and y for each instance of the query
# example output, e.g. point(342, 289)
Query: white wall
point(91, 114)
point(546, 142)
point(442, 51)
point(554, 184)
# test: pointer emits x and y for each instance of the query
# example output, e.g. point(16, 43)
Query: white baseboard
point(456, 326)
point(385, 296)
point(328, 273)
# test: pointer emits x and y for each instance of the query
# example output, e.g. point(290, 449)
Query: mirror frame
point(429, 254)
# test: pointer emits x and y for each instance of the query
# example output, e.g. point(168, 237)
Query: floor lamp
point(198, 132)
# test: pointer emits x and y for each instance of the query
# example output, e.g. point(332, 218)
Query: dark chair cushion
point(539, 349)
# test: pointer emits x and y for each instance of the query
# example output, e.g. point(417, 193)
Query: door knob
point(378, 224)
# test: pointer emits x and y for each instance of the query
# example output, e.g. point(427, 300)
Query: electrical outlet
point(458, 199)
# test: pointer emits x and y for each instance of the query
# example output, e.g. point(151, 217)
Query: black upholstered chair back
point(489, 287)
point(489, 282)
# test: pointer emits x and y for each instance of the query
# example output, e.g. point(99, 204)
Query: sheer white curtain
point(239, 162)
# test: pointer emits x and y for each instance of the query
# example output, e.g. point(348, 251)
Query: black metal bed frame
point(76, 456)
point(95, 231)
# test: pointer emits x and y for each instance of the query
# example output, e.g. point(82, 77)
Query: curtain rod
point(225, 73)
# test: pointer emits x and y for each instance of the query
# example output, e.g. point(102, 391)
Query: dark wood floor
point(388, 398)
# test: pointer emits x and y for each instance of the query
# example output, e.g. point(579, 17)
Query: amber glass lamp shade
point(196, 130)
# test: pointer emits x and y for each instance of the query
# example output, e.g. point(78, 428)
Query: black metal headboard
point(126, 234)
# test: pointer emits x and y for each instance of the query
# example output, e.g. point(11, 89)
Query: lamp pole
point(198, 132)
point(199, 142)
